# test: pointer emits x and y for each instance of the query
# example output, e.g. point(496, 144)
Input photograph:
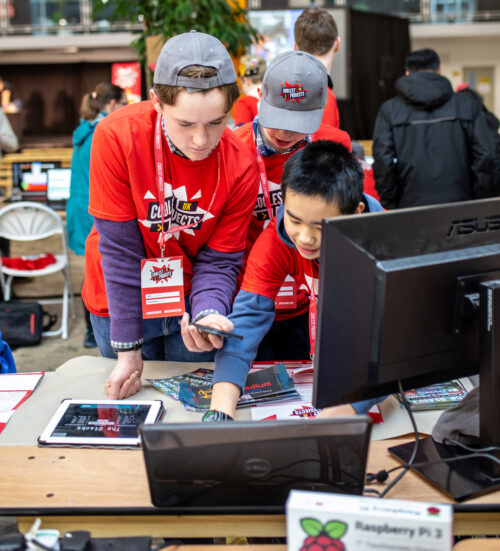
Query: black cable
point(469, 448)
point(407, 466)
point(382, 475)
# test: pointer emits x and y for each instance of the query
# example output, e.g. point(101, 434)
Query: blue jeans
point(162, 340)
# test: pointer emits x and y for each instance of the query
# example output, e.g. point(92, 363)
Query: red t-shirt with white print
point(217, 193)
point(274, 169)
point(271, 260)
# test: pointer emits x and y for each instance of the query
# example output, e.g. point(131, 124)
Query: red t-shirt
point(331, 111)
point(245, 110)
point(123, 187)
point(271, 260)
point(274, 169)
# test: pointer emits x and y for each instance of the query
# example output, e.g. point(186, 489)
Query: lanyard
point(313, 314)
point(264, 184)
point(160, 184)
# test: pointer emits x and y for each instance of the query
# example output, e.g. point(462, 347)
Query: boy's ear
point(156, 101)
point(295, 47)
point(360, 208)
point(336, 44)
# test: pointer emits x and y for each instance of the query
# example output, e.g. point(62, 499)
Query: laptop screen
point(251, 467)
point(58, 184)
point(29, 179)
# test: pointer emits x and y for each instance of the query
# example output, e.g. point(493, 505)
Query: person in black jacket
point(431, 145)
point(493, 125)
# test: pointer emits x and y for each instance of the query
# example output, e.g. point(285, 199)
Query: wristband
point(214, 416)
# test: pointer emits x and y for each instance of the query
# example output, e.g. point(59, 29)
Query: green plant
point(224, 19)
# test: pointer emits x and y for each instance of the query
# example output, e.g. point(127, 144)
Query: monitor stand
point(469, 478)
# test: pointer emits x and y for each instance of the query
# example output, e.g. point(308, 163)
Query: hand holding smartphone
point(219, 332)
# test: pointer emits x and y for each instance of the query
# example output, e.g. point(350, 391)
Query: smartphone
point(220, 332)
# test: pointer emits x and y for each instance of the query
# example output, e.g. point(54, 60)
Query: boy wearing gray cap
point(171, 190)
point(293, 97)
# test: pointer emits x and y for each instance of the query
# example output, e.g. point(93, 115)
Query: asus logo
point(470, 226)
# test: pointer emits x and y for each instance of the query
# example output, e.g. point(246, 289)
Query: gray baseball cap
point(293, 93)
point(194, 48)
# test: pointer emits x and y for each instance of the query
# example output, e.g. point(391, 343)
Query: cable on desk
point(445, 460)
point(382, 475)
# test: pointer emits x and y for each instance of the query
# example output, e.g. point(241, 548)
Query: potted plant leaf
point(225, 19)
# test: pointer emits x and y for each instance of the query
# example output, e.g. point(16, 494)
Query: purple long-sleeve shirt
point(121, 246)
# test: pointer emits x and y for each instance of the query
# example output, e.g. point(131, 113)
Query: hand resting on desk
point(125, 379)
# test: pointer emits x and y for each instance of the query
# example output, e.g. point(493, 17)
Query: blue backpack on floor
point(7, 363)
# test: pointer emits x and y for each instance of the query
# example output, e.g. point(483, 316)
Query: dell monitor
point(397, 303)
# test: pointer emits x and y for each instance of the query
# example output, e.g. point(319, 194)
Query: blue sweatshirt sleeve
point(252, 316)
point(364, 406)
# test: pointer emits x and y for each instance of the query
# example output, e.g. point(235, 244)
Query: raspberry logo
point(323, 538)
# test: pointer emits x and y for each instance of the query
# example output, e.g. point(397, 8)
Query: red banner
point(128, 77)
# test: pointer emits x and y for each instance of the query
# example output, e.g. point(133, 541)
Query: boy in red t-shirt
point(168, 179)
point(322, 180)
point(316, 33)
point(294, 92)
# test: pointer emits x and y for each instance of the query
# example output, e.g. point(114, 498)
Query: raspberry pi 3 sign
point(321, 521)
point(323, 537)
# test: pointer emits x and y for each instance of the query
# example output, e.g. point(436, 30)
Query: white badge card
point(162, 287)
point(287, 295)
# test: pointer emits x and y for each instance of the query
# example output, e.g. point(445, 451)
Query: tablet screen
point(112, 422)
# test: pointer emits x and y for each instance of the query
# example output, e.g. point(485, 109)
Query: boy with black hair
point(320, 181)
point(316, 33)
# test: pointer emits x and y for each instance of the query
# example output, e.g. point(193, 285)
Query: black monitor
point(398, 301)
point(29, 179)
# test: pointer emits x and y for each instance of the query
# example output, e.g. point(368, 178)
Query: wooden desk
point(106, 492)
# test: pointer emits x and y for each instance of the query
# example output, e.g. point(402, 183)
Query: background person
point(493, 125)
point(104, 99)
point(167, 178)
point(252, 69)
point(430, 145)
point(316, 33)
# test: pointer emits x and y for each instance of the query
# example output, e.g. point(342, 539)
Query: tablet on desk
point(99, 422)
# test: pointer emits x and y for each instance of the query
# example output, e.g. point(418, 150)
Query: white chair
point(27, 221)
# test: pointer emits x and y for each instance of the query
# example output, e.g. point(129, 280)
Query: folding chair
point(27, 221)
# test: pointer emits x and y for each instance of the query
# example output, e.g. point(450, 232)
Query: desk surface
point(84, 377)
point(54, 482)
point(106, 491)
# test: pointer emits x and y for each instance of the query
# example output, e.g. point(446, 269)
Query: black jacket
point(431, 145)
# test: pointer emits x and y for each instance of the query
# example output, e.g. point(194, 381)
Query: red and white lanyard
point(264, 184)
point(313, 314)
point(160, 185)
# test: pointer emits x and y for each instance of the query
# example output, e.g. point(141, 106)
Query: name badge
point(286, 299)
point(162, 287)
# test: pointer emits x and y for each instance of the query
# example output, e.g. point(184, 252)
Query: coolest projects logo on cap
point(296, 82)
point(293, 92)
